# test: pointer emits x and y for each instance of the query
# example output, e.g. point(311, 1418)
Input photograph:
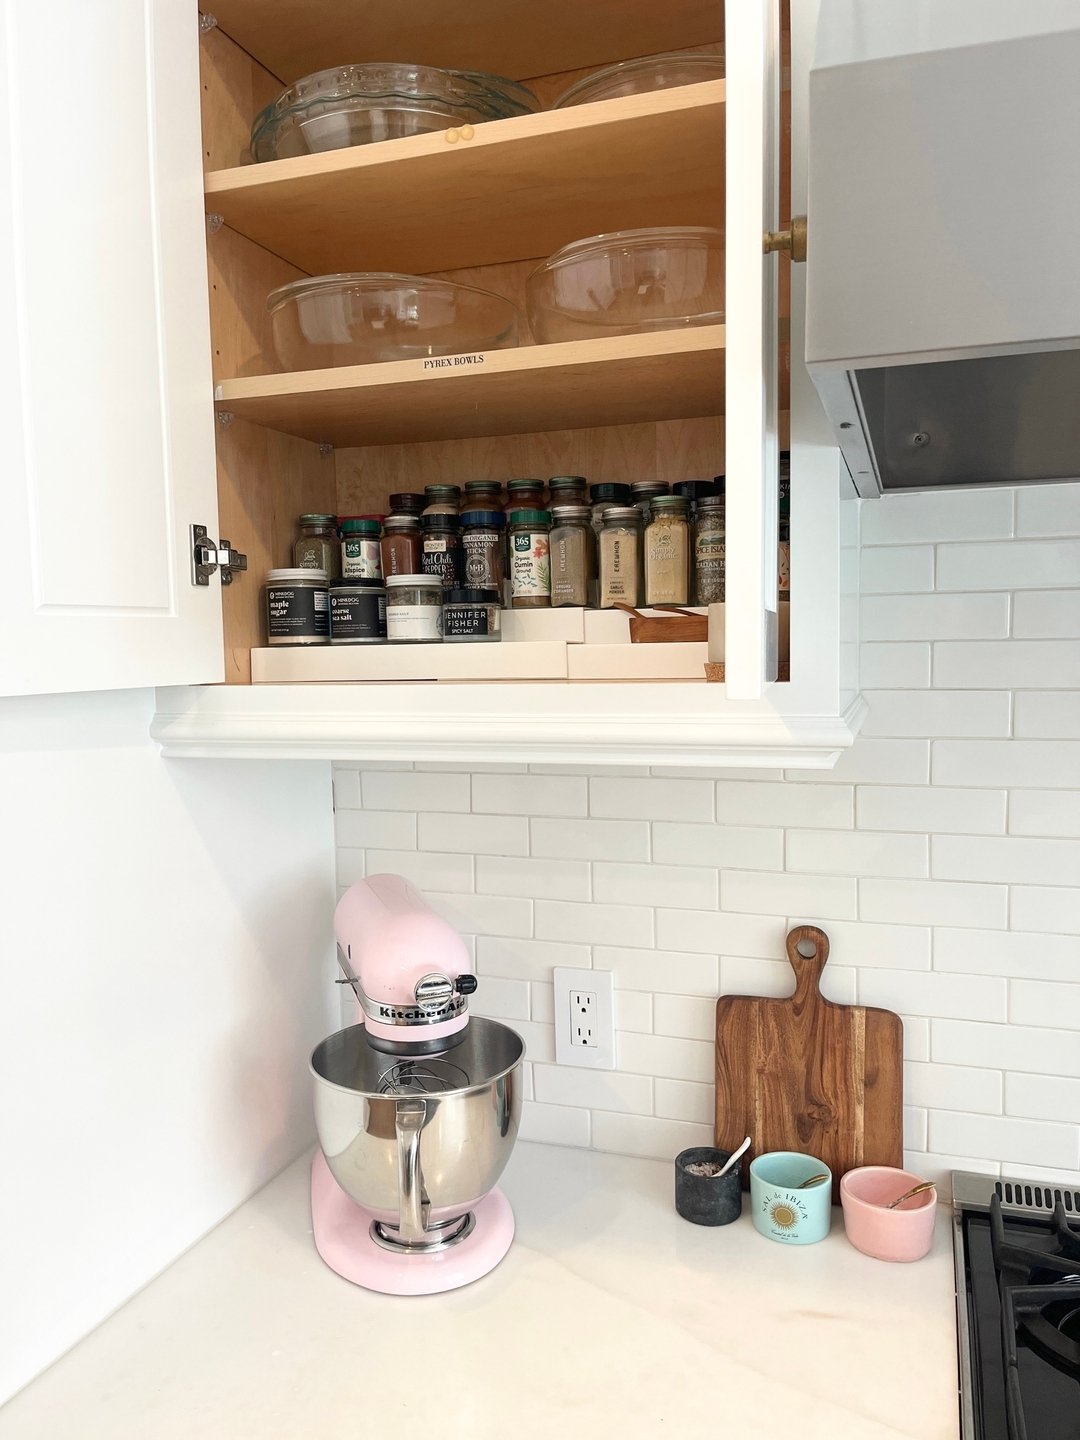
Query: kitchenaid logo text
point(452, 362)
point(444, 1012)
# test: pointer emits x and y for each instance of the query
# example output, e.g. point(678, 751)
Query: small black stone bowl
point(707, 1199)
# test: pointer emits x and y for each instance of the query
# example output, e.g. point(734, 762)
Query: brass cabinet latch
point(793, 240)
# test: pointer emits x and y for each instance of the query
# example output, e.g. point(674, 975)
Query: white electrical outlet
point(584, 1018)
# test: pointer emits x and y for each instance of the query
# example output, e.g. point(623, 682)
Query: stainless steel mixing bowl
point(418, 1142)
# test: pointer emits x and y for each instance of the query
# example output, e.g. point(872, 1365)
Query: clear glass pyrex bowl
point(362, 318)
point(639, 77)
point(361, 104)
point(628, 281)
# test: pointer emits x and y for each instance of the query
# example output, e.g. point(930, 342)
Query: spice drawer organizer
point(485, 210)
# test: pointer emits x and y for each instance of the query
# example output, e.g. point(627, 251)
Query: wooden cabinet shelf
point(292, 38)
point(517, 189)
point(670, 375)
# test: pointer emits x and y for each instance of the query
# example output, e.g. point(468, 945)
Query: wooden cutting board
point(805, 1074)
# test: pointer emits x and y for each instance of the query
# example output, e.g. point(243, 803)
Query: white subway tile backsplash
point(1015, 565)
point(915, 1127)
point(1043, 1097)
point(940, 712)
point(896, 570)
point(522, 959)
point(939, 1168)
point(539, 1042)
point(934, 617)
point(590, 839)
point(857, 852)
point(680, 886)
point(543, 878)
point(484, 915)
point(1025, 1141)
point(714, 932)
point(427, 869)
point(685, 1100)
point(1043, 714)
point(1048, 510)
point(542, 1001)
point(740, 846)
point(530, 794)
point(659, 971)
point(594, 1089)
point(820, 896)
point(953, 1087)
point(665, 1055)
point(502, 1000)
point(743, 804)
point(633, 1009)
point(931, 809)
point(652, 799)
point(939, 515)
point(1011, 953)
point(895, 664)
point(868, 762)
point(690, 1017)
point(594, 924)
point(860, 944)
point(1007, 762)
point(1046, 614)
point(1045, 812)
point(1006, 1047)
point(554, 1124)
point(646, 1135)
point(1045, 907)
point(1009, 858)
point(346, 788)
point(962, 997)
point(1038, 1002)
point(411, 790)
point(474, 834)
point(934, 902)
point(742, 975)
point(1018, 664)
point(916, 1039)
point(384, 829)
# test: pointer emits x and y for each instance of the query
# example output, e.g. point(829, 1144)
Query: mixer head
point(409, 969)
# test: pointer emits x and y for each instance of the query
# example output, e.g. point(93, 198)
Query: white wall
point(942, 856)
point(165, 950)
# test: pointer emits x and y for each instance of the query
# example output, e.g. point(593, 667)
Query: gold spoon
point(818, 1179)
point(919, 1189)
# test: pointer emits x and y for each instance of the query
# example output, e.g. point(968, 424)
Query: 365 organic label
point(530, 564)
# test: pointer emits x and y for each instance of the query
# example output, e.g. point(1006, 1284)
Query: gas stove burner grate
point(422, 1076)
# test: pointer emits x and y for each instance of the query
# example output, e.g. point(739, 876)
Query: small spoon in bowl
point(818, 1179)
point(919, 1189)
point(735, 1157)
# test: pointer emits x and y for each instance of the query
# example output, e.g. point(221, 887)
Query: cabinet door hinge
point(206, 557)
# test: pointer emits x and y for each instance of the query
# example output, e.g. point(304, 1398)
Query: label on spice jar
point(618, 570)
point(483, 549)
point(442, 558)
point(296, 614)
point(470, 621)
point(783, 567)
point(361, 560)
point(710, 560)
point(665, 564)
point(569, 563)
point(356, 616)
point(414, 622)
point(530, 564)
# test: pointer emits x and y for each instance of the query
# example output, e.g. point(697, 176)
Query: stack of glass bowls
point(628, 281)
point(362, 104)
point(362, 318)
point(639, 77)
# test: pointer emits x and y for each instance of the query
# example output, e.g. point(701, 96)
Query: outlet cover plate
point(600, 1056)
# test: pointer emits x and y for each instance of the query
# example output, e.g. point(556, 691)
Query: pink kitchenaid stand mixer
point(416, 1105)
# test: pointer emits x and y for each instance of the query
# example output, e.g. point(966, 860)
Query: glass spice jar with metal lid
point(360, 555)
point(471, 613)
point(407, 502)
point(440, 548)
point(317, 546)
point(643, 492)
point(667, 552)
point(573, 556)
point(524, 494)
point(414, 609)
point(399, 548)
point(530, 559)
point(710, 551)
point(482, 495)
point(483, 543)
point(442, 499)
point(605, 495)
point(568, 490)
point(620, 557)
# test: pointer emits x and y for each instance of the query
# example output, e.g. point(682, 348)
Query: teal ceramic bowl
point(783, 1209)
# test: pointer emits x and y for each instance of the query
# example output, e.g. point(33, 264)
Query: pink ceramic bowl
point(902, 1234)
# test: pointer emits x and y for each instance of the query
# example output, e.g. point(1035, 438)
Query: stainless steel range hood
point(943, 266)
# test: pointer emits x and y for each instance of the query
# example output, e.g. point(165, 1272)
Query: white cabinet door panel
point(107, 426)
point(752, 45)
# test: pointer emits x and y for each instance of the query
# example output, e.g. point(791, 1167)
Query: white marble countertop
point(611, 1316)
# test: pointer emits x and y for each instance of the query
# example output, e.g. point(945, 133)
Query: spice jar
point(667, 552)
point(399, 549)
point(530, 559)
point(568, 490)
point(440, 548)
point(573, 556)
point(483, 547)
point(524, 495)
point(471, 613)
point(620, 557)
point(357, 612)
point(297, 607)
point(783, 506)
point(360, 557)
point(482, 495)
point(316, 546)
point(413, 609)
point(643, 492)
point(603, 496)
point(692, 491)
point(709, 551)
point(442, 499)
point(407, 502)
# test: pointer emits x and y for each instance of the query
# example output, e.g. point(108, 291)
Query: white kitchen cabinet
point(678, 404)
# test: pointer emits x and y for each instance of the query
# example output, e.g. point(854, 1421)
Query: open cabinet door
point(106, 424)
point(752, 46)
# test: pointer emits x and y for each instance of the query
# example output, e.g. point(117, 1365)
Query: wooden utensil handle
point(807, 952)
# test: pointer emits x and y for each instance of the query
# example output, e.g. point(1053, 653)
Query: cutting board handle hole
point(807, 949)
